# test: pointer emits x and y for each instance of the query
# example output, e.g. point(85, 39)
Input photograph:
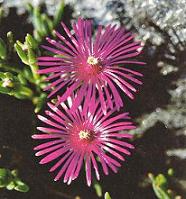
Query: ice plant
point(70, 138)
point(95, 65)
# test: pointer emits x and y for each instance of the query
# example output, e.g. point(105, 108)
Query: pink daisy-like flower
point(92, 65)
point(74, 137)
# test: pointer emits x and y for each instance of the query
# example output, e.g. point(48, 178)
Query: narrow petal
point(48, 144)
point(88, 169)
point(64, 167)
point(52, 156)
point(59, 163)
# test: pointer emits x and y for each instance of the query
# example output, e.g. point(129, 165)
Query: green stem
point(34, 69)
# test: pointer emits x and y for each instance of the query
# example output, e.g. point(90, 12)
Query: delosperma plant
point(81, 79)
point(93, 66)
point(83, 134)
point(84, 122)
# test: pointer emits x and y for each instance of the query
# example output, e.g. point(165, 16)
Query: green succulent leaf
point(161, 181)
point(170, 172)
point(22, 188)
point(11, 185)
point(31, 41)
point(3, 173)
point(98, 189)
point(39, 102)
point(22, 79)
point(107, 196)
point(47, 24)
point(4, 90)
point(160, 193)
point(31, 56)
point(21, 53)
point(59, 13)
point(3, 49)
point(14, 172)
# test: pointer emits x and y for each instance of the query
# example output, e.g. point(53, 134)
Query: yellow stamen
point(84, 135)
point(92, 60)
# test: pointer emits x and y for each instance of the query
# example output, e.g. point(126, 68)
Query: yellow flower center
point(92, 60)
point(84, 135)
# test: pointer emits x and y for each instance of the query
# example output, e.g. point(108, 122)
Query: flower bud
point(7, 83)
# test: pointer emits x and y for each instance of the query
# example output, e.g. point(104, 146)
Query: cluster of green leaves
point(160, 186)
point(9, 179)
point(18, 73)
point(43, 25)
point(20, 78)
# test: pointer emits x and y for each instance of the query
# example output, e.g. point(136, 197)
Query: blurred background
point(157, 168)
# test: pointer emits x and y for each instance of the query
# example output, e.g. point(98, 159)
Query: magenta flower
point(82, 136)
point(91, 65)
